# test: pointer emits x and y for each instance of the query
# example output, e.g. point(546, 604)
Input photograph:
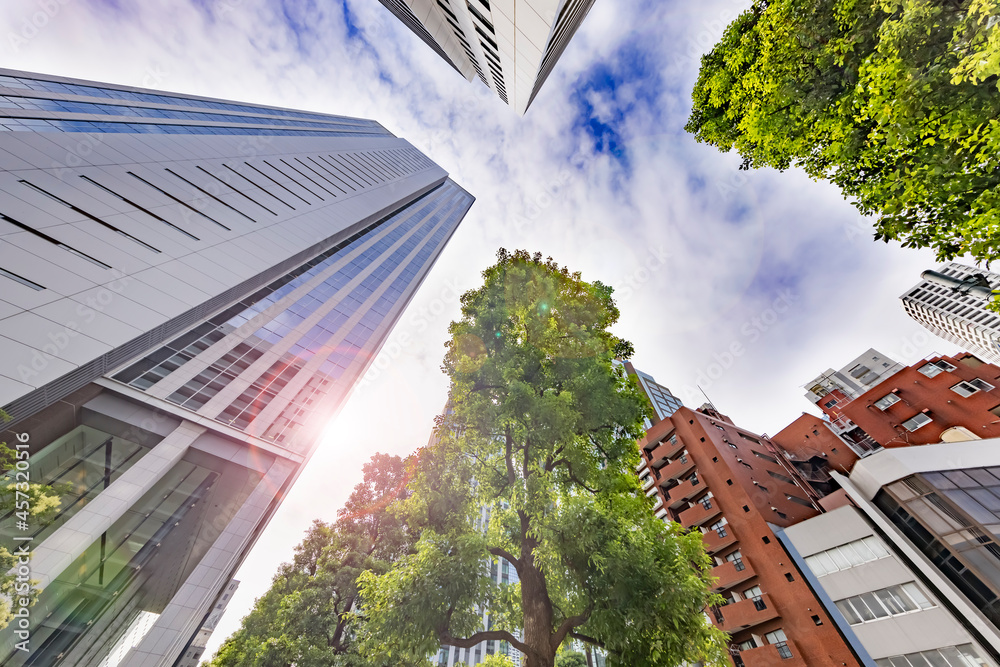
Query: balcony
point(678, 468)
point(747, 614)
point(683, 492)
point(715, 542)
point(658, 504)
point(699, 514)
point(647, 482)
point(664, 450)
point(731, 573)
point(785, 654)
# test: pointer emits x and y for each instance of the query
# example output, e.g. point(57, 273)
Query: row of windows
point(950, 656)
point(248, 406)
point(111, 127)
point(26, 83)
point(883, 603)
point(846, 556)
point(73, 106)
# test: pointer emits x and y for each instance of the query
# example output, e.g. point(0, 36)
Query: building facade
point(938, 399)
point(511, 46)
point(956, 316)
point(734, 486)
point(890, 613)
point(938, 506)
point(662, 400)
point(196, 651)
point(191, 287)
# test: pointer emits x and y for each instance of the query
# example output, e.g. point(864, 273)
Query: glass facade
point(127, 113)
point(954, 518)
point(80, 464)
point(134, 567)
point(387, 257)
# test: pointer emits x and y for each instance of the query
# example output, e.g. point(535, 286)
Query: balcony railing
point(683, 492)
point(678, 468)
point(785, 654)
point(747, 614)
point(717, 540)
point(731, 573)
point(665, 450)
point(700, 513)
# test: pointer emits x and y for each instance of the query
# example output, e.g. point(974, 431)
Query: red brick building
point(941, 399)
point(729, 483)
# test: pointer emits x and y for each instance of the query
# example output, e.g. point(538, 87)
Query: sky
point(745, 284)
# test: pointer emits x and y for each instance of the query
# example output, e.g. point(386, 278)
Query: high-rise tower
point(189, 288)
point(957, 315)
point(510, 45)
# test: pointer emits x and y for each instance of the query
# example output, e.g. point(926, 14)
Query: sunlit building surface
point(190, 289)
point(960, 318)
point(509, 45)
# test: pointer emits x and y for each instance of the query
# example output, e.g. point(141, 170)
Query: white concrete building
point(911, 569)
point(509, 45)
point(955, 316)
point(189, 289)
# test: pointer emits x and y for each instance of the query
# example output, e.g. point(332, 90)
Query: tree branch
point(572, 475)
point(572, 622)
point(483, 636)
point(507, 556)
point(509, 455)
point(588, 639)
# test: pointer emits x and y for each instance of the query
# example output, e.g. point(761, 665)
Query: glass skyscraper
point(190, 289)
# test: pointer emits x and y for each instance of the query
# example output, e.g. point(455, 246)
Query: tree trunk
point(537, 609)
point(590, 655)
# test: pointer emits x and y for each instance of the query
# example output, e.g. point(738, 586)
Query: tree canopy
point(894, 101)
point(305, 618)
point(533, 464)
point(571, 659)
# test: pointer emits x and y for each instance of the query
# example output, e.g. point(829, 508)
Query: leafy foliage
point(571, 659)
point(541, 433)
point(894, 101)
point(305, 618)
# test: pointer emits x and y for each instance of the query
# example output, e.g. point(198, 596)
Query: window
point(846, 556)
point(982, 385)
point(787, 480)
point(933, 368)
point(817, 620)
point(885, 602)
point(719, 527)
point(747, 645)
point(887, 400)
point(965, 389)
point(796, 499)
point(829, 404)
point(764, 456)
point(916, 422)
point(780, 642)
point(789, 577)
point(950, 656)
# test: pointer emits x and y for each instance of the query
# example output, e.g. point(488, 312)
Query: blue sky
point(598, 174)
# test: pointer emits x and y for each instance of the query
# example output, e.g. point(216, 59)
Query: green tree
point(571, 659)
point(894, 101)
point(25, 501)
point(305, 618)
point(542, 432)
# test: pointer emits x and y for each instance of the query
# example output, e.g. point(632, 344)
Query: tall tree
point(894, 101)
point(305, 618)
point(542, 433)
